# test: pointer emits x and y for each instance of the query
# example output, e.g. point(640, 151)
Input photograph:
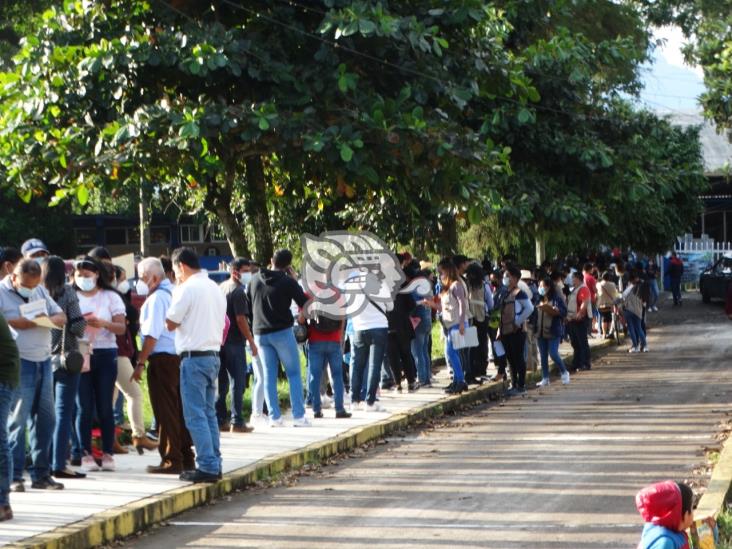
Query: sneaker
point(302, 422)
point(413, 387)
point(645, 349)
point(317, 415)
point(257, 419)
point(17, 486)
point(522, 392)
point(152, 435)
point(326, 402)
point(633, 350)
point(343, 415)
point(397, 388)
point(107, 463)
point(565, 378)
point(543, 383)
point(88, 463)
point(276, 422)
point(356, 406)
point(375, 407)
point(47, 484)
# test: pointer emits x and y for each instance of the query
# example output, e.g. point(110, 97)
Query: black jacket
point(271, 293)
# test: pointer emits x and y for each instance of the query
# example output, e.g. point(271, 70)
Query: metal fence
point(698, 254)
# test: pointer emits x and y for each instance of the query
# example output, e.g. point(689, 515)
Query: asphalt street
point(558, 469)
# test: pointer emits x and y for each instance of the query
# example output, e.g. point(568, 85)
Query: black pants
point(479, 354)
point(515, 345)
point(577, 331)
point(499, 361)
point(399, 352)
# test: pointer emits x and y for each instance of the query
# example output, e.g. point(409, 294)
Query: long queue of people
point(71, 335)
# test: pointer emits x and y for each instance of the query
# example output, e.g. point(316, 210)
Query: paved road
point(556, 470)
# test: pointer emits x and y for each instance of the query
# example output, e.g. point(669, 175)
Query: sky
point(670, 84)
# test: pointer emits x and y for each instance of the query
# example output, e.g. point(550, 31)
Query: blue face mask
point(542, 290)
point(86, 283)
point(24, 292)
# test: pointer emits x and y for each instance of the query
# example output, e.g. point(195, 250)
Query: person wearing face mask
point(515, 310)
point(126, 357)
point(163, 369)
point(551, 312)
point(233, 371)
point(33, 399)
point(104, 311)
point(65, 382)
point(579, 315)
point(9, 258)
point(34, 249)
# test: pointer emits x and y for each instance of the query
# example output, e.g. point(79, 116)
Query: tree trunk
point(218, 202)
point(540, 245)
point(256, 208)
point(144, 222)
point(448, 241)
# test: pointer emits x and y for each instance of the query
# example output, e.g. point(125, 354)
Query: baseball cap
point(33, 246)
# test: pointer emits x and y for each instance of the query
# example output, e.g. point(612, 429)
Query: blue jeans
point(453, 356)
point(364, 373)
point(119, 409)
point(32, 407)
point(233, 374)
point(278, 347)
point(368, 349)
point(419, 349)
point(198, 381)
point(7, 394)
point(547, 348)
point(321, 353)
point(96, 387)
point(654, 292)
point(637, 334)
point(66, 387)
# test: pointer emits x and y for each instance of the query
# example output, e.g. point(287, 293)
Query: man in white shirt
point(197, 316)
point(163, 375)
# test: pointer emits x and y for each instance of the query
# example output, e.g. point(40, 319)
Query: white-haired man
point(163, 376)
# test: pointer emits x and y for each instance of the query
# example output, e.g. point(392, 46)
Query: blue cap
point(33, 246)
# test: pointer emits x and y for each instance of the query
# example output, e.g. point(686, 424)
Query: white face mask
point(141, 287)
point(86, 283)
point(245, 278)
point(123, 287)
point(506, 281)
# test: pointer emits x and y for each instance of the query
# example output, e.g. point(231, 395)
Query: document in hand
point(33, 309)
point(44, 322)
point(468, 339)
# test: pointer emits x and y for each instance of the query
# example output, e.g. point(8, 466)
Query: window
point(116, 235)
point(86, 237)
point(190, 233)
point(159, 235)
point(133, 235)
point(215, 233)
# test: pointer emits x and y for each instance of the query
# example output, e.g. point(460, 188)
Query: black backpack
point(324, 324)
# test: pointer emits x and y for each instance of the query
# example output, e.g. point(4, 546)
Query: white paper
point(44, 322)
point(33, 309)
point(468, 339)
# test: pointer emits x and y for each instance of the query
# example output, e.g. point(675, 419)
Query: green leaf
point(62, 160)
point(204, 147)
point(82, 195)
point(263, 123)
point(26, 196)
point(366, 26)
point(346, 153)
point(524, 116)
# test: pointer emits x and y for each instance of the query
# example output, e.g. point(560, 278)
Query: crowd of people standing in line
point(69, 339)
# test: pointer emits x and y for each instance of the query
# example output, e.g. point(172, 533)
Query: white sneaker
point(375, 407)
point(645, 349)
point(633, 350)
point(301, 422)
point(326, 402)
point(356, 406)
point(276, 422)
point(257, 419)
point(107, 462)
point(347, 400)
point(565, 378)
point(543, 383)
point(88, 463)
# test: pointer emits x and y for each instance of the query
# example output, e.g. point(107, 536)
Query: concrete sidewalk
point(107, 505)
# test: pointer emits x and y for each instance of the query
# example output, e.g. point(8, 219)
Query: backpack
point(324, 324)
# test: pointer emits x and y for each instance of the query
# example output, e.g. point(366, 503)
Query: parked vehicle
point(713, 281)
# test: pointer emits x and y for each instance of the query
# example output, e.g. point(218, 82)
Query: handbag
point(70, 361)
point(468, 339)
